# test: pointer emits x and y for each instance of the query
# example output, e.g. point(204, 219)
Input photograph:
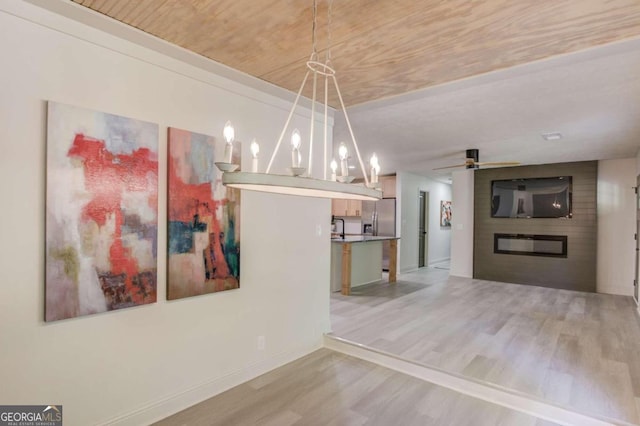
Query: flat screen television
point(548, 197)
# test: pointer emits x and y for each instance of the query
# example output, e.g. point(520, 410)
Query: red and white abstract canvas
point(101, 213)
point(204, 218)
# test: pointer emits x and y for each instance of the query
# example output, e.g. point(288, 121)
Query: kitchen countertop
point(361, 239)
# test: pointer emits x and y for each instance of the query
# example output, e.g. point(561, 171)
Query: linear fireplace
point(530, 244)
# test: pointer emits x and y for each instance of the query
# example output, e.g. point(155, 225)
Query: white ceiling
point(592, 97)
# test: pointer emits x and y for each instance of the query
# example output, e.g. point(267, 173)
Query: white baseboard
point(444, 259)
point(172, 404)
point(475, 388)
point(415, 267)
point(368, 282)
point(620, 291)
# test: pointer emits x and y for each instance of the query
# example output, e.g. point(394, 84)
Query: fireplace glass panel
point(532, 245)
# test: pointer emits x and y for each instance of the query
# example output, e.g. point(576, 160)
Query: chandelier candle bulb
point(296, 158)
point(334, 168)
point(343, 153)
point(375, 168)
point(255, 149)
point(229, 135)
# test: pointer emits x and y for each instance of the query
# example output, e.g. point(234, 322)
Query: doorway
point(423, 226)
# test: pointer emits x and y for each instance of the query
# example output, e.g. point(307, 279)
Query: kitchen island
point(357, 260)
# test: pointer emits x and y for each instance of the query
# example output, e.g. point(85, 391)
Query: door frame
point(425, 206)
point(636, 278)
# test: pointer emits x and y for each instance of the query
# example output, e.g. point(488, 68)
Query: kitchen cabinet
point(339, 207)
point(388, 184)
point(354, 208)
point(346, 207)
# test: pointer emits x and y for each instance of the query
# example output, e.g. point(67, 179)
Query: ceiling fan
point(472, 162)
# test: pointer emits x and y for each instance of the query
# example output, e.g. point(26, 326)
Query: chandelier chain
point(329, 25)
point(313, 30)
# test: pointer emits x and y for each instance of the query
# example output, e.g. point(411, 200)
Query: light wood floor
point(329, 388)
point(579, 350)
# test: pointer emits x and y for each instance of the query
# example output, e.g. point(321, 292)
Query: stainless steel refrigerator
point(379, 218)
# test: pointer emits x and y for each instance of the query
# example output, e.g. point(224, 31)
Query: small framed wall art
point(445, 213)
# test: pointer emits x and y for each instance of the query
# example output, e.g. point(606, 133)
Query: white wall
point(408, 187)
point(616, 226)
point(462, 223)
point(637, 253)
point(352, 225)
point(135, 365)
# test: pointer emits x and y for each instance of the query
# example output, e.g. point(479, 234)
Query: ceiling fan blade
point(471, 163)
point(450, 167)
point(499, 163)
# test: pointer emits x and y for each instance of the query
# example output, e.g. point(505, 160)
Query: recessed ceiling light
point(552, 136)
point(352, 166)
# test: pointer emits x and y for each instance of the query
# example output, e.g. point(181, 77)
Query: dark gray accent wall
point(575, 272)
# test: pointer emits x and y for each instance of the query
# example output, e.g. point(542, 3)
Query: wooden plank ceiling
point(381, 48)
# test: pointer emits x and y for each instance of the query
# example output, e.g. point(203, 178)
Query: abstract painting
point(101, 212)
point(445, 213)
point(204, 218)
